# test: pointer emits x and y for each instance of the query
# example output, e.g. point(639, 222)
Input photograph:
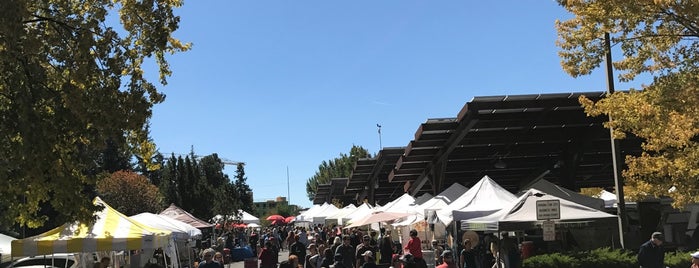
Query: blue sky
point(289, 84)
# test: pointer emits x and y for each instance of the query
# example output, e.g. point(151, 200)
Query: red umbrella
point(289, 219)
point(275, 217)
point(278, 222)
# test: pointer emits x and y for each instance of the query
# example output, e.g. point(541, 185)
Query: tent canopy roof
point(522, 213)
point(179, 214)
point(111, 231)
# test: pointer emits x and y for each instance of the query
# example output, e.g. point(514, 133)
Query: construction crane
point(225, 161)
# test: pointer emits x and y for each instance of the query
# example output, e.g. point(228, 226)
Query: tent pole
point(189, 254)
point(164, 258)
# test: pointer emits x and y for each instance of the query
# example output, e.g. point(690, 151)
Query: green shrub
point(678, 259)
point(601, 258)
point(554, 260)
point(606, 258)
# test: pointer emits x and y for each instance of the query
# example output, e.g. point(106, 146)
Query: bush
point(555, 260)
point(678, 259)
point(606, 258)
point(601, 258)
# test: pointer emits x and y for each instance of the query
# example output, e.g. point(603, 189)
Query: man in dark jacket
point(298, 249)
point(346, 250)
point(651, 253)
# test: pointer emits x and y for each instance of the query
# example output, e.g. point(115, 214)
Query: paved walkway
point(284, 255)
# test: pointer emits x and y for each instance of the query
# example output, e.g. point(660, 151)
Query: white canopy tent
point(522, 214)
point(553, 189)
point(181, 232)
point(435, 204)
point(5, 247)
point(308, 214)
point(404, 203)
point(361, 211)
point(485, 197)
point(248, 218)
point(179, 229)
point(324, 212)
point(342, 214)
point(609, 199)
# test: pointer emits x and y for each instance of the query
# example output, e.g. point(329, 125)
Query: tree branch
point(42, 18)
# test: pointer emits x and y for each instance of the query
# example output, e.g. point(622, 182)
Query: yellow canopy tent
point(112, 231)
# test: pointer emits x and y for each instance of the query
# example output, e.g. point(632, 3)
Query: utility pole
point(288, 193)
point(616, 151)
point(380, 145)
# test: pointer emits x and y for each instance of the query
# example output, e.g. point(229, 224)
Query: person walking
point(209, 259)
point(651, 254)
point(467, 257)
point(298, 249)
point(414, 247)
point(268, 256)
point(362, 248)
point(447, 260)
point(346, 251)
point(369, 261)
point(438, 250)
point(386, 248)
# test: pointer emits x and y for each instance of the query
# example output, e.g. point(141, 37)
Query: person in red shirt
point(414, 247)
point(447, 260)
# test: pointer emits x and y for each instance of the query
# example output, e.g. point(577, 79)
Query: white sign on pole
point(549, 230)
point(548, 209)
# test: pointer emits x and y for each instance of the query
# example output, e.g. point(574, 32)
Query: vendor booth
point(111, 232)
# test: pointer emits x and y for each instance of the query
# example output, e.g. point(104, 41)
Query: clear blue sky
point(279, 84)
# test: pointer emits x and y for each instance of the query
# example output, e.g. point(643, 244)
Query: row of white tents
point(485, 206)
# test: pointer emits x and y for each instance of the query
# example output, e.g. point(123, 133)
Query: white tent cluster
point(486, 206)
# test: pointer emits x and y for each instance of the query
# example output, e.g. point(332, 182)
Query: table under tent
point(112, 234)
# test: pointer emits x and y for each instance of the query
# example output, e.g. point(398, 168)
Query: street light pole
point(616, 151)
point(380, 145)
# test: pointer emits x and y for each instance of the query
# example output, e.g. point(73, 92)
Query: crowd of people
point(321, 246)
point(333, 247)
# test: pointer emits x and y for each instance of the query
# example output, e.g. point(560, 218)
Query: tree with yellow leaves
point(70, 80)
point(656, 37)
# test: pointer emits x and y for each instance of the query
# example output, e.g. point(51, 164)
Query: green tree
point(242, 189)
point(340, 167)
point(216, 189)
point(69, 81)
point(130, 193)
point(659, 38)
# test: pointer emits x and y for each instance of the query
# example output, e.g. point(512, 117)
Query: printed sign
point(548, 209)
point(549, 230)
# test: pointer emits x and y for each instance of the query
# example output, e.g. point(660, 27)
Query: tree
point(242, 189)
point(130, 193)
point(340, 167)
point(659, 38)
point(69, 81)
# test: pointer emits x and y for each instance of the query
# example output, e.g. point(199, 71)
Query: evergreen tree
point(242, 188)
point(340, 167)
